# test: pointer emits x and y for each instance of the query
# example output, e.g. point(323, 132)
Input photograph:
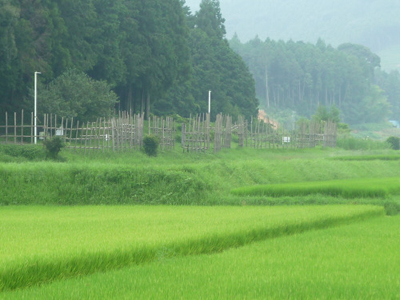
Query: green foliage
point(343, 129)
point(352, 143)
point(361, 188)
point(150, 145)
point(308, 78)
point(322, 114)
point(394, 142)
point(22, 152)
point(155, 55)
point(392, 208)
point(366, 157)
point(390, 84)
point(53, 146)
point(209, 19)
point(75, 95)
point(216, 68)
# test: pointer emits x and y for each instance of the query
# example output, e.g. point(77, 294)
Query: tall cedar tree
point(215, 68)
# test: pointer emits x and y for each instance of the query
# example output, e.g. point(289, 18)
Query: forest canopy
point(300, 76)
point(154, 54)
point(157, 57)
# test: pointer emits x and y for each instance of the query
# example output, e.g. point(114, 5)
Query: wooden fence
point(126, 132)
point(196, 134)
point(116, 134)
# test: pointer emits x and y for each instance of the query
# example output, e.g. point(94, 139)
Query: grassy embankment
point(191, 179)
point(42, 244)
point(358, 261)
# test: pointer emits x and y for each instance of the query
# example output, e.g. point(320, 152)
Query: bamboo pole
point(31, 127)
point(6, 127)
point(22, 126)
point(15, 127)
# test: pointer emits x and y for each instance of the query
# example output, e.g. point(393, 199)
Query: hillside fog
point(374, 24)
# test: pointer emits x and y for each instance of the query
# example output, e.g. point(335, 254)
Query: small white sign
point(59, 131)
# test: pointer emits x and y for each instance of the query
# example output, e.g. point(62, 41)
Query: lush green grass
point(367, 142)
point(367, 157)
point(42, 244)
point(350, 188)
point(21, 153)
point(175, 177)
point(357, 261)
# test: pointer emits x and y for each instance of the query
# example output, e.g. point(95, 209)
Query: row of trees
point(301, 76)
point(152, 55)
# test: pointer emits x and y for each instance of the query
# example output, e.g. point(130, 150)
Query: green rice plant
point(43, 244)
point(357, 261)
point(352, 143)
point(352, 188)
point(366, 157)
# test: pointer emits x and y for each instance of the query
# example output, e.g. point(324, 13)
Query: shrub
point(394, 142)
point(53, 146)
point(150, 145)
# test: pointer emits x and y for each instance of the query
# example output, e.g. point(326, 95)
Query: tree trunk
point(266, 87)
point(130, 106)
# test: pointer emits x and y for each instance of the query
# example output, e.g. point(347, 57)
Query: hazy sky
point(373, 23)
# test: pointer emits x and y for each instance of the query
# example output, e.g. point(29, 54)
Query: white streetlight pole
point(209, 101)
point(35, 108)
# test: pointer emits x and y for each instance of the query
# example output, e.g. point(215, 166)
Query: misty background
point(372, 23)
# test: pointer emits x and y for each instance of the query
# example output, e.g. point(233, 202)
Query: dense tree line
point(155, 55)
point(300, 76)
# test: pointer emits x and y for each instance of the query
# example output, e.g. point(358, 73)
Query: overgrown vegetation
point(53, 146)
point(350, 188)
point(18, 152)
point(394, 142)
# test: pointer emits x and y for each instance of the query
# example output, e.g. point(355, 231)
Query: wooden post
point(76, 135)
point(15, 127)
point(22, 126)
point(31, 127)
point(6, 127)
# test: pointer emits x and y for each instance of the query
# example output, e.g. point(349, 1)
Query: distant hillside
point(372, 23)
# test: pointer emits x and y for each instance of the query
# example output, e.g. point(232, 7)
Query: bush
point(394, 142)
point(53, 146)
point(150, 145)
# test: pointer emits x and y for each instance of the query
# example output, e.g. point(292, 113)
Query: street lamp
point(209, 101)
point(35, 108)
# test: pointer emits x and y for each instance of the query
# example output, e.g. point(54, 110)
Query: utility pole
point(209, 101)
point(35, 108)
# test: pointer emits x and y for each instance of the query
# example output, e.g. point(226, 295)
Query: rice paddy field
point(239, 224)
point(356, 261)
